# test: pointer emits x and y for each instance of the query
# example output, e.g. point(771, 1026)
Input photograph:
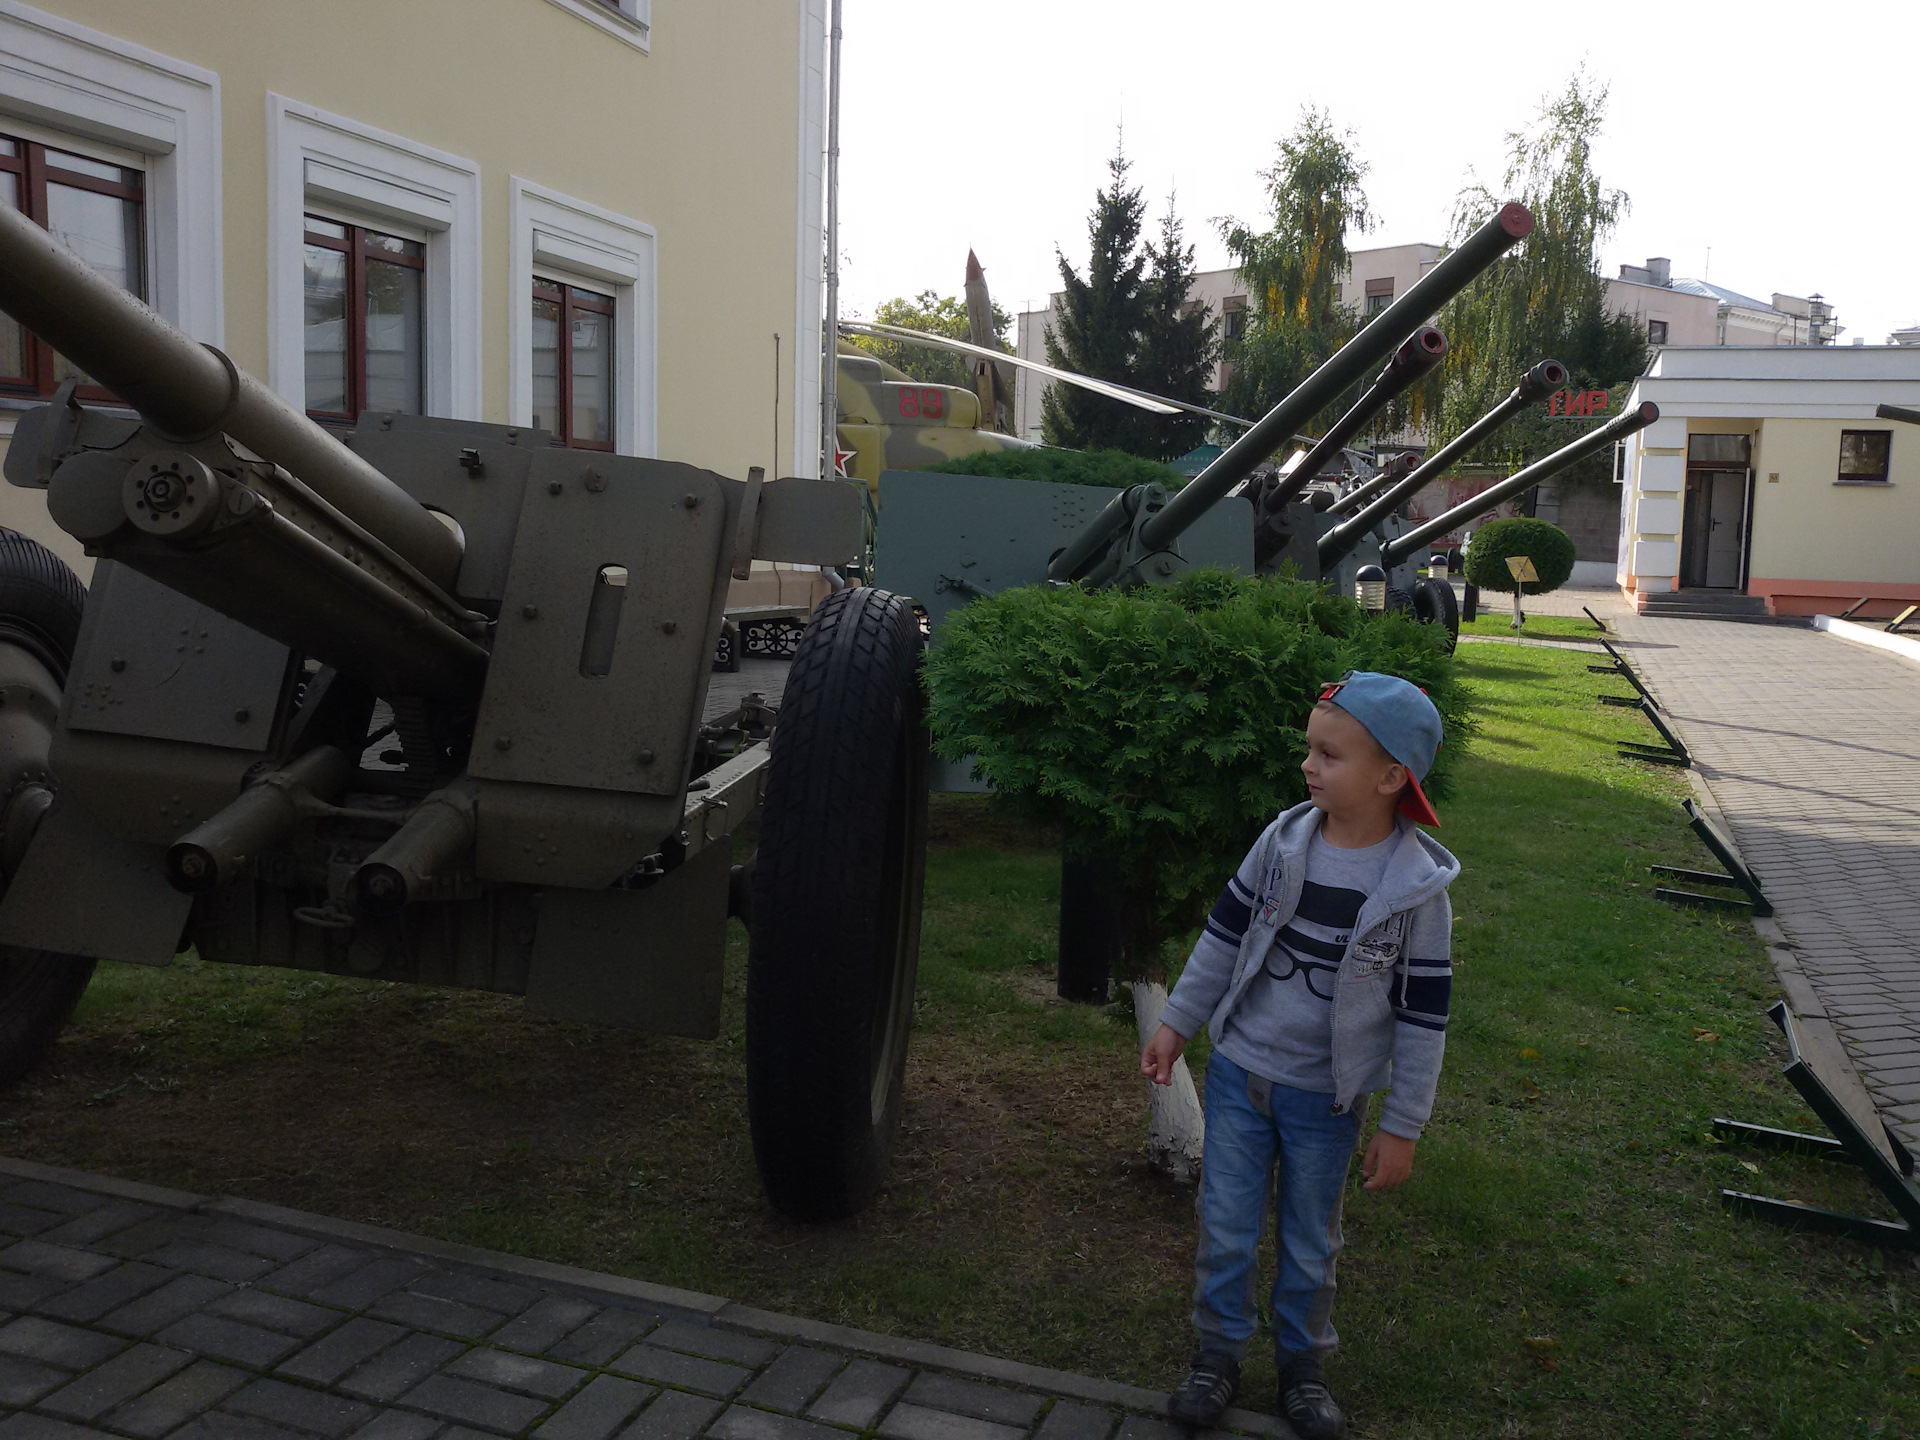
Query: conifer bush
point(1162, 728)
point(1548, 546)
point(1114, 468)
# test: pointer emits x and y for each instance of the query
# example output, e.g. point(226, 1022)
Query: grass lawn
point(1496, 618)
point(1559, 1265)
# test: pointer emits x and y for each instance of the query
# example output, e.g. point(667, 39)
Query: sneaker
point(1204, 1395)
point(1306, 1401)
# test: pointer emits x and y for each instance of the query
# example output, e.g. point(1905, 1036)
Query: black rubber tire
point(1398, 601)
point(40, 605)
point(1435, 603)
point(836, 908)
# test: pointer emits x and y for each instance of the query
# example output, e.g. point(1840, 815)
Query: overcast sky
point(1765, 147)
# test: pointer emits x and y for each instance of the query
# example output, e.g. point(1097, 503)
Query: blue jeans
point(1313, 1147)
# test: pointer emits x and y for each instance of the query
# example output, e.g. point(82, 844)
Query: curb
point(1904, 646)
point(710, 1309)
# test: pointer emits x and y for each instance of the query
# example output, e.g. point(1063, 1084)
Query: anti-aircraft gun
point(428, 703)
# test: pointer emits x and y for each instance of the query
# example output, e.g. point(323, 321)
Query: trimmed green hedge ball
point(1548, 546)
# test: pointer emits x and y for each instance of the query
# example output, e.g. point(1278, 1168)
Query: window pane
point(592, 377)
point(1865, 452)
point(98, 169)
point(394, 349)
point(9, 147)
point(13, 347)
point(325, 287)
point(394, 245)
point(330, 229)
point(102, 230)
point(546, 366)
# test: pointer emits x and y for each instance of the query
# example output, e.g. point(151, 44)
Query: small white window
point(628, 20)
point(373, 275)
point(580, 335)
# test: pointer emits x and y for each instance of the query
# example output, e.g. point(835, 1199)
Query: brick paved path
point(1811, 746)
point(132, 1311)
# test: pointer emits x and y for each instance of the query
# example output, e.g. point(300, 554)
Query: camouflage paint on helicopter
point(890, 421)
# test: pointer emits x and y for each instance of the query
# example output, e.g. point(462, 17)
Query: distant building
point(1768, 475)
point(1696, 312)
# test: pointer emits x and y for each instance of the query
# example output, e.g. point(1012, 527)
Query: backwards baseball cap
point(1398, 714)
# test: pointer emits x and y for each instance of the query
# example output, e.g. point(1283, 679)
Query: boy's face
point(1347, 771)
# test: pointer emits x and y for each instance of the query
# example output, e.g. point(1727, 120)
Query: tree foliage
point(1546, 299)
point(1160, 729)
point(1126, 321)
point(936, 314)
point(1293, 268)
point(1548, 546)
point(1113, 468)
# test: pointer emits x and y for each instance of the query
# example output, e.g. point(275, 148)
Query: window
point(1234, 316)
point(1379, 295)
point(1863, 456)
point(93, 208)
point(573, 365)
point(1656, 332)
point(364, 345)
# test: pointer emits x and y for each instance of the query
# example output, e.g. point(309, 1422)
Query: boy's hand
point(1389, 1160)
point(1156, 1061)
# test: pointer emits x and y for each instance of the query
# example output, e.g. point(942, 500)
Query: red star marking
point(840, 461)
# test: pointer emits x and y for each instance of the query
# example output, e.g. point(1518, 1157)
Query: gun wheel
point(40, 605)
point(836, 908)
point(1434, 602)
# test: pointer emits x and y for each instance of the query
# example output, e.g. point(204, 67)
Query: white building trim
point(561, 238)
point(808, 357)
point(627, 20)
point(318, 160)
point(81, 82)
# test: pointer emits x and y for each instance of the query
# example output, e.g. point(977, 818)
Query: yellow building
point(1769, 477)
point(604, 215)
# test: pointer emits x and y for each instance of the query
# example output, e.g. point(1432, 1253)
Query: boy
point(1323, 971)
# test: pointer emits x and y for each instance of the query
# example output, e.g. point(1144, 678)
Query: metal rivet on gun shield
point(667, 627)
point(690, 501)
point(645, 757)
point(554, 487)
point(242, 716)
point(530, 611)
point(505, 742)
point(595, 481)
point(118, 666)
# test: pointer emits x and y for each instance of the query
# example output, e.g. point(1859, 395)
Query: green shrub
point(1548, 546)
point(1162, 728)
point(1113, 468)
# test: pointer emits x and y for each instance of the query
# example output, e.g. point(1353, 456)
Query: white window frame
point(631, 21)
point(573, 242)
point(61, 80)
point(327, 164)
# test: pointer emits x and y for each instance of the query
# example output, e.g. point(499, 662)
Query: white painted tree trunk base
point(1177, 1130)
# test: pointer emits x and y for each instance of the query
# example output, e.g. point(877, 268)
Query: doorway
point(1713, 536)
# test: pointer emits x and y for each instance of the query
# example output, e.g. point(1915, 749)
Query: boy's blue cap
point(1399, 715)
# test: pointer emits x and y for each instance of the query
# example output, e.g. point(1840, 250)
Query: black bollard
point(1089, 930)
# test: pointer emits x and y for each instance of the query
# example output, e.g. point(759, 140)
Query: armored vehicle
point(430, 704)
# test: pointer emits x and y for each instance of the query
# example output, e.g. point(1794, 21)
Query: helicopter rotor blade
point(1157, 404)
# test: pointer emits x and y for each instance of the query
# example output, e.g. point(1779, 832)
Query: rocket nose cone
point(974, 272)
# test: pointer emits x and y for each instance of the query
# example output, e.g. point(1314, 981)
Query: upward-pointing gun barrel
point(186, 390)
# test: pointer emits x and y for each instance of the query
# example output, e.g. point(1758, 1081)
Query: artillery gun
point(429, 703)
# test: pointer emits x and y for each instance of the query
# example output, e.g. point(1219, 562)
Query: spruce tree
point(1097, 323)
point(1179, 342)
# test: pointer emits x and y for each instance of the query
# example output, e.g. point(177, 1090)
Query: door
point(1726, 530)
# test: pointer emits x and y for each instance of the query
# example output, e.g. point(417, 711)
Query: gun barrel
point(1422, 351)
point(1394, 471)
point(1381, 337)
point(1898, 412)
point(1540, 381)
point(1638, 418)
point(187, 390)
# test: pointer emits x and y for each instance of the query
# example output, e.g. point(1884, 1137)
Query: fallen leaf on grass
point(1621, 1010)
point(1749, 1165)
point(1529, 1054)
point(1913, 1372)
point(1705, 1037)
point(1533, 1090)
point(1542, 1342)
point(1547, 1362)
point(1624, 1278)
point(1856, 1335)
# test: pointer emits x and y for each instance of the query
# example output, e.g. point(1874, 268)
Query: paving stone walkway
point(1811, 746)
point(132, 1311)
